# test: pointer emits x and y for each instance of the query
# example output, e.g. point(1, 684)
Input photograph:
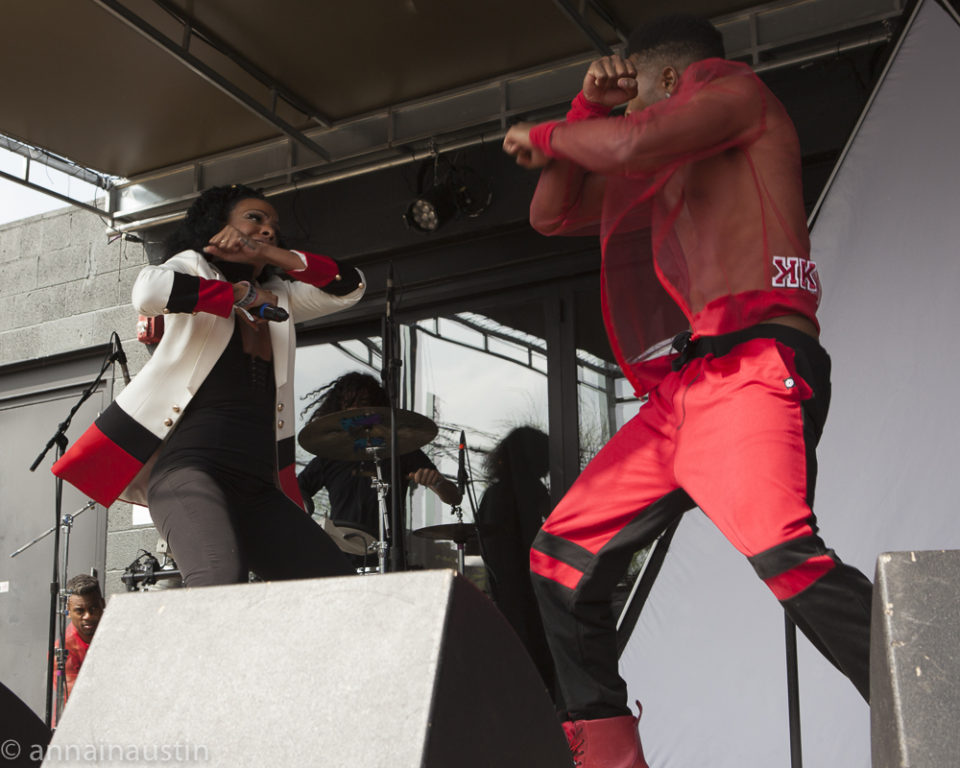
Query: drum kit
point(364, 435)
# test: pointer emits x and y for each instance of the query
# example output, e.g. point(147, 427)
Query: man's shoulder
point(73, 640)
point(722, 75)
point(730, 81)
point(713, 69)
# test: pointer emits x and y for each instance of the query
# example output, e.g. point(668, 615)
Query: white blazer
point(112, 459)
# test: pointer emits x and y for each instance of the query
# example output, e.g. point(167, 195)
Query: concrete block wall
point(124, 542)
point(65, 286)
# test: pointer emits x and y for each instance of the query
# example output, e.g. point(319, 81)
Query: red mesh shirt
point(702, 190)
point(77, 649)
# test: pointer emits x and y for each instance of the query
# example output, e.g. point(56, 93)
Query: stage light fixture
point(455, 191)
point(432, 208)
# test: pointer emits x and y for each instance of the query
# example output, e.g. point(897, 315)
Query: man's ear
point(669, 79)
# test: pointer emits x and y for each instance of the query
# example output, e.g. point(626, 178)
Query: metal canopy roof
point(171, 96)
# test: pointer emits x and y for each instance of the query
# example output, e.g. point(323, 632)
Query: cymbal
point(458, 532)
point(353, 541)
point(346, 435)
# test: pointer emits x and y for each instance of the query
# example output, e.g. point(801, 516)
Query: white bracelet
point(249, 297)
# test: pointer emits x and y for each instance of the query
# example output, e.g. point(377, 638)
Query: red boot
point(610, 742)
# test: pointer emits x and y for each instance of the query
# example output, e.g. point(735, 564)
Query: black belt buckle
point(683, 345)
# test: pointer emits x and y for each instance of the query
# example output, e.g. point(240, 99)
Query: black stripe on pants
point(580, 625)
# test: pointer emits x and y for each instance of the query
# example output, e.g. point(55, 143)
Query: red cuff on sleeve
point(583, 109)
point(215, 297)
point(96, 465)
point(320, 270)
point(540, 137)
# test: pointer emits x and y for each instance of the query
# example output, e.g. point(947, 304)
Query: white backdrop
point(707, 657)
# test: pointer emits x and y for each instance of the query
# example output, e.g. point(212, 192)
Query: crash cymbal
point(458, 532)
point(346, 435)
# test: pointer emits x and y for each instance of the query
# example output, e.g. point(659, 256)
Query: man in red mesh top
point(695, 194)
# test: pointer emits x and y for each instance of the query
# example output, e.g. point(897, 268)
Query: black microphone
point(121, 358)
point(462, 469)
point(271, 312)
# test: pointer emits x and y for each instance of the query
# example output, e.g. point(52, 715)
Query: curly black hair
point(524, 451)
point(682, 36)
point(207, 216)
point(352, 390)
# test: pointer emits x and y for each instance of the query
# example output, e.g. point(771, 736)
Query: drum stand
point(381, 546)
point(459, 533)
point(460, 540)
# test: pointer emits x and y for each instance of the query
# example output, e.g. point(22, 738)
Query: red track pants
point(734, 431)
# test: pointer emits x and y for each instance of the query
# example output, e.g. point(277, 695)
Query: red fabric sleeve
point(540, 137)
point(83, 466)
point(214, 297)
point(582, 108)
point(706, 115)
point(567, 201)
point(189, 293)
point(289, 485)
point(320, 270)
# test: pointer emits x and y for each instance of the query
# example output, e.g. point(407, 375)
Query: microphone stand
point(793, 693)
point(464, 488)
point(390, 375)
point(59, 439)
point(61, 653)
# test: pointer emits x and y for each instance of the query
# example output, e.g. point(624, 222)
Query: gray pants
point(221, 526)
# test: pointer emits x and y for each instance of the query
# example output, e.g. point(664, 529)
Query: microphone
point(462, 469)
point(121, 358)
point(271, 312)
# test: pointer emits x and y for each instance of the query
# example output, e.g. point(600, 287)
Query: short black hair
point(83, 584)
point(206, 216)
point(687, 37)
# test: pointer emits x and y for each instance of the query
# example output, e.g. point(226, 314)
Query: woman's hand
point(230, 244)
point(262, 296)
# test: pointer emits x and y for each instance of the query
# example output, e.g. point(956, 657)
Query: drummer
point(353, 499)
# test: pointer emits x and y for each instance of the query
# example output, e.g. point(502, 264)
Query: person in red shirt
point(85, 606)
point(709, 296)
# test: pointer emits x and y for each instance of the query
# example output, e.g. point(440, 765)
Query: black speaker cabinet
point(23, 735)
point(915, 661)
point(400, 671)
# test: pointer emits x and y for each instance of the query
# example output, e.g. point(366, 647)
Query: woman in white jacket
point(204, 435)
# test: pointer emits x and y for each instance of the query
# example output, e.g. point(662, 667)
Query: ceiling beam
point(23, 182)
point(193, 27)
point(58, 163)
point(610, 18)
point(567, 9)
point(193, 63)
